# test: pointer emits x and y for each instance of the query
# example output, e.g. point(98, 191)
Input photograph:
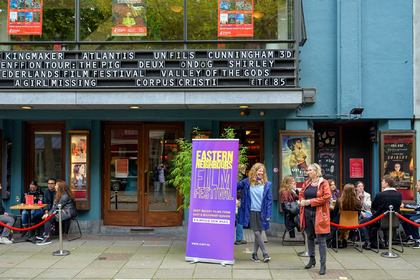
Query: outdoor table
point(29, 207)
point(407, 210)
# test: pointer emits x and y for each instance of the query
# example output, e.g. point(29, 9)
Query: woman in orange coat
point(314, 199)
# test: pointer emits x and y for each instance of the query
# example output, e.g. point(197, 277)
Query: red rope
point(359, 225)
point(407, 220)
point(28, 228)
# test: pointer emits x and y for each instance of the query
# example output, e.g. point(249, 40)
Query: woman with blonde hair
point(287, 202)
point(314, 199)
point(256, 206)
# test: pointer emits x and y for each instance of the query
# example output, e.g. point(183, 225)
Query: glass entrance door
point(137, 162)
point(122, 191)
point(161, 197)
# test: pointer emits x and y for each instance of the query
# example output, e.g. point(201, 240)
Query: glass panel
point(162, 195)
point(48, 159)
point(124, 152)
point(250, 136)
point(271, 18)
point(57, 22)
point(163, 20)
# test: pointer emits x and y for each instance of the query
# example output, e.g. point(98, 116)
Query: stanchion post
point(306, 252)
point(390, 254)
point(60, 251)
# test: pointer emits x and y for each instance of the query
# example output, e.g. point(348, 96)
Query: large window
point(101, 22)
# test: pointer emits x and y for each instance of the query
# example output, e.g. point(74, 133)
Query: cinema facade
point(102, 92)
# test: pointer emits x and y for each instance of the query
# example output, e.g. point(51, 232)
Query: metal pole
point(306, 252)
point(60, 251)
point(390, 254)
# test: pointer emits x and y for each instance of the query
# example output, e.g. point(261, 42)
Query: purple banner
point(211, 222)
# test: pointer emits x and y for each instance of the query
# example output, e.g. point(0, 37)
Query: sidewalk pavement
point(149, 256)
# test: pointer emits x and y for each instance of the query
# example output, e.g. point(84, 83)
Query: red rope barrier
point(28, 228)
point(360, 225)
point(407, 220)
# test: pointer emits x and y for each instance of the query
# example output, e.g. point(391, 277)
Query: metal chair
point(349, 218)
point(67, 226)
point(384, 227)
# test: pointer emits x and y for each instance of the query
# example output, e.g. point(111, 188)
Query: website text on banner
point(211, 222)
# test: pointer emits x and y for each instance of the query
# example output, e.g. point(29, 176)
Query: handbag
point(292, 207)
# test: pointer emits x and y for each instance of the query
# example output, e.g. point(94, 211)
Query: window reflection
point(164, 20)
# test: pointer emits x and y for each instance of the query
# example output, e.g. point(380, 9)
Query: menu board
point(327, 152)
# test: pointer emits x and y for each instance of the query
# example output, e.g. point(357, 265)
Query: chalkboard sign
point(327, 152)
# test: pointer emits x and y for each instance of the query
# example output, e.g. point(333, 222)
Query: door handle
point(146, 181)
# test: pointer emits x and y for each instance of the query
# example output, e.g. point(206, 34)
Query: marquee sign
point(263, 68)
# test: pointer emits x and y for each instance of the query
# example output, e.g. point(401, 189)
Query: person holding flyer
point(256, 205)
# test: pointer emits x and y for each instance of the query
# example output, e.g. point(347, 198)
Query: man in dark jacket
point(380, 204)
point(49, 194)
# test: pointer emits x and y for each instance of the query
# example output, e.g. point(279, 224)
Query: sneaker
point(39, 237)
point(417, 245)
point(267, 258)
point(45, 241)
point(238, 242)
point(5, 240)
point(255, 258)
point(244, 242)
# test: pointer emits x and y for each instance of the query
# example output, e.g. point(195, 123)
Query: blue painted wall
point(358, 53)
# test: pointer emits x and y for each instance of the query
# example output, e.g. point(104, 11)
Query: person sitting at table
point(412, 232)
point(348, 201)
point(5, 218)
point(36, 215)
point(380, 204)
point(364, 197)
point(64, 197)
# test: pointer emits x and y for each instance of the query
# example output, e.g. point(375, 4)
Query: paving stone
point(174, 274)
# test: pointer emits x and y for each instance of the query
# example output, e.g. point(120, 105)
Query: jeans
point(158, 186)
point(239, 232)
point(310, 233)
point(410, 229)
point(6, 219)
point(35, 216)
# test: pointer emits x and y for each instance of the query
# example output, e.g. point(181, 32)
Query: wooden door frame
point(144, 217)
point(30, 128)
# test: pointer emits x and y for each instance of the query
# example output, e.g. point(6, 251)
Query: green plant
point(180, 175)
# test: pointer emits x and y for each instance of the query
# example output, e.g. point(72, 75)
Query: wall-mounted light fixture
point(244, 112)
point(356, 111)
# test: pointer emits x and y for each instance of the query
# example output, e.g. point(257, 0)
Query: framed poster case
point(296, 153)
point(398, 160)
point(80, 168)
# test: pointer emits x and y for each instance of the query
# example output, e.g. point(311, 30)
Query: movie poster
point(211, 222)
point(296, 153)
point(398, 161)
point(24, 17)
point(129, 18)
point(235, 18)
